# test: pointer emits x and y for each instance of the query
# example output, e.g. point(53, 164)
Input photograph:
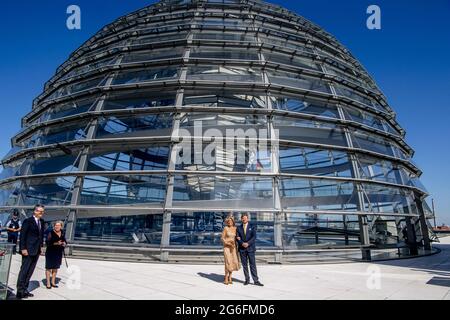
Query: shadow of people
point(34, 284)
point(216, 277)
point(44, 281)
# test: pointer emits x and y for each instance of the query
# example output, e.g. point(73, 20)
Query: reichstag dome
point(129, 142)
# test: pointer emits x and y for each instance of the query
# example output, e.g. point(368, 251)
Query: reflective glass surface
point(137, 229)
point(303, 230)
point(120, 190)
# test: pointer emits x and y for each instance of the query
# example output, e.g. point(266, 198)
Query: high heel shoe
point(54, 285)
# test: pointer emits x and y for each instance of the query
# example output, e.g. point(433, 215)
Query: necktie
point(245, 230)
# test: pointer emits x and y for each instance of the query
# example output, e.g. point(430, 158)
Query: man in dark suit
point(246, 237)
point(31, 242)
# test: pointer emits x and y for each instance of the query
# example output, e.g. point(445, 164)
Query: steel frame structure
point(228, 50)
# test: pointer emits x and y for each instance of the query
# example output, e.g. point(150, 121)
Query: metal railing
point(5, 264)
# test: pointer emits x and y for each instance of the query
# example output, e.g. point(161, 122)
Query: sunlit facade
point(99, 147)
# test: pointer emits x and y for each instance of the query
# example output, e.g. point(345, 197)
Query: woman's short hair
point(59, 222)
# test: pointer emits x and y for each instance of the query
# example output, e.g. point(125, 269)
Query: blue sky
point(408, 58)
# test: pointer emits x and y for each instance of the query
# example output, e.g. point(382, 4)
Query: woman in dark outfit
point(54, 253)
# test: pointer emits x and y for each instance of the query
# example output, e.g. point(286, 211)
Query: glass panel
point(220, 121)
point(137, 229)
point(9, 193)
point(224, 73)
point(156, 39)
point(54, 163)
point(222, 192)
point(411, 179)
point(128, 158)
point(13, 169)
point(75, 88)
point(291, 60)
point(346, 76)
point(386, 171)
point(297, 80)
point(65, 110)
point(225, 36)
point(309, 194)
point(140, 56)
point(100, 48)
point(214, 53)
point(151, 100)
point(125, 126)
point(47, 191)
point(302, 230)
point(387, 230)
point(309, 131)
point(205, 228)
point(147, 75)
point(62, 133)
point(369, 119)
point(224, 100)
point(346, 92)
point(381, 199)
point(25, 142)
point(222, 156)
point(364, 118)
point(309, 161)
point(284, 43)
point(164, 28)
point(304, 106)
point(221, 22)
point(90, 67)
point(376, 144)
point(197, 228)
point(121, 190)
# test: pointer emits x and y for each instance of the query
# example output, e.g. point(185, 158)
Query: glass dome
point(129, 140)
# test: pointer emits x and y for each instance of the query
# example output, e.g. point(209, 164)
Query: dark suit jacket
point(250, 237)
point(31, 237)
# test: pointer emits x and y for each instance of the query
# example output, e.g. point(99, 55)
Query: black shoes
point(257, 283)
point(20, 296)
point(24, 295)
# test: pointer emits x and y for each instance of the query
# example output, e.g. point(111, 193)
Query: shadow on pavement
point(437, 265)
point(44, 281)
point(34, 284)
point(216, 277)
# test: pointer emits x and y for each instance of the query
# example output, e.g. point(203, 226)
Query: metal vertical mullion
point(411, 232)
point(423, 222)
point(362, 219)
point(167, 213)
point(274, 151)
